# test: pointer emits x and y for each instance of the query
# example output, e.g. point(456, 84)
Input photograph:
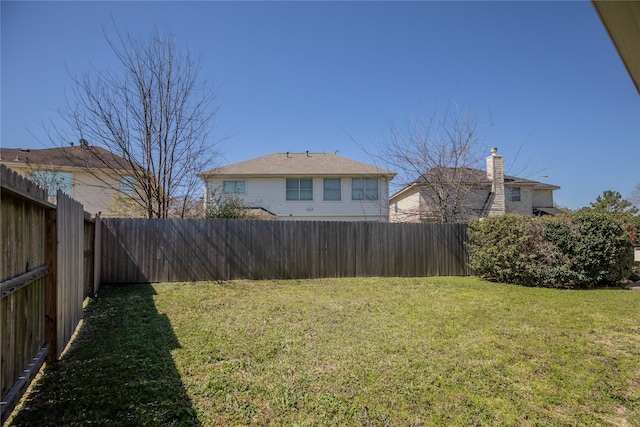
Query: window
point(364, 189)
point(299, 189)
point(52, 181)
point(512, 194)
point(233, 187)
point(332, 189)
point(127, 185)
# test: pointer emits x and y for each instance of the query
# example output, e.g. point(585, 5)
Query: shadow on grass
point(118, 370)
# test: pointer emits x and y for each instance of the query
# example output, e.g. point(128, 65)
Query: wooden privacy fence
point(46, 250)
point(172, 250)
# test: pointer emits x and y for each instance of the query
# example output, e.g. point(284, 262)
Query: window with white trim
point(364, 189)
point(299, 189)
point(233, 187)
point(332, 189)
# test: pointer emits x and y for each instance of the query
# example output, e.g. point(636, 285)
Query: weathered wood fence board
point(70, 277)
point(41, 280)
point(22, 225)
point(173, 250)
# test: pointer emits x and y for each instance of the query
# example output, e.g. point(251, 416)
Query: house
point(304, 186)
point(465, 193)
point(89, 174)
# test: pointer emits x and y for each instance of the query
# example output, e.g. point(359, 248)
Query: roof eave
point(621, 20)
point(209, 174)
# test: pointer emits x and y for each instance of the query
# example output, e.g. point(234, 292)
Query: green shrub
point(227, 207)
point(577, 250)
point(601, 250)
point(510, 248)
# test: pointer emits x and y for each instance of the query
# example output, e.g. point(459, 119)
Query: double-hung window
point(299, 189)
point(332, 189)
point(364, 189)
point(233, 187)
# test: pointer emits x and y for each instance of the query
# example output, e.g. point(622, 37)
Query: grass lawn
point(365, 351)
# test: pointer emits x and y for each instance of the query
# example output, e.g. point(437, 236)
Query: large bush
point(584, 249)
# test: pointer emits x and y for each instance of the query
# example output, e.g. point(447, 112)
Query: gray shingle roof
point(476, 176)
point(470, 176)
point(301, 164)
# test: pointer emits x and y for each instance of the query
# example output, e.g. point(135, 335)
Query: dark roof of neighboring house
point(85, 156)
point(471, 176)
point(300, 164)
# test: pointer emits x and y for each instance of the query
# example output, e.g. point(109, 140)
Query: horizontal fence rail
point(174, 250)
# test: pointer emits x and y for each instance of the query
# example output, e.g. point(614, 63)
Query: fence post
point(97, 254)
point(50, 285)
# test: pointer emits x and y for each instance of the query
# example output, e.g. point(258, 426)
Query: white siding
point(270, 194)
point(405, 209)
point(95, 194)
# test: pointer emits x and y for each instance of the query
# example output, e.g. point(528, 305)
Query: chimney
point(495, 174)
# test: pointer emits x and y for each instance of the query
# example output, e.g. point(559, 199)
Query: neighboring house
point(89, 174)
point(304, 186)
point(479, 194)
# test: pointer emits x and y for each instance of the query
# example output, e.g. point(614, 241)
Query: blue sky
point(297, 76)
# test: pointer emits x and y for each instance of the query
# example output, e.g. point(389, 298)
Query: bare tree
point(50, 181)
point(155, 112)
point(228, 207)
point(634, 197)
point(437, 158)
